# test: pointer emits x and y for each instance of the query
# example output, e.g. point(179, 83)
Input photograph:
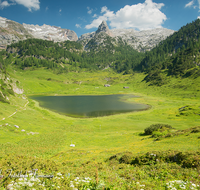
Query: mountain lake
point(89, 105)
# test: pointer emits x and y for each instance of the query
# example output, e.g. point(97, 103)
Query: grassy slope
point(96, 138)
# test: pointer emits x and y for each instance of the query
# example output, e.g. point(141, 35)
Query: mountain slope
point(178, 55)
point(140, 40)
point(11, 32)
point(187, 37)
point(70, 56)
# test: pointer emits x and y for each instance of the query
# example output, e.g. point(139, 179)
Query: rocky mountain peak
point(11, 32)
point(141, 41)
point(103, 27)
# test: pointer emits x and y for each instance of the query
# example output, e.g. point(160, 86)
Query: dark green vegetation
point(156, 127)
point(69, 56)
point(160, 131)
point(6, 88)
point(185, 160)
point(177, 56)
point(177, 49)
point(154, 149)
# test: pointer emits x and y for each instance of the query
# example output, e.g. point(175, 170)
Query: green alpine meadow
point(153, 148)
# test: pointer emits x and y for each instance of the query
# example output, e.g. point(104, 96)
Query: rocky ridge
point(11, 32)
point(52, 33)
point(140, 40)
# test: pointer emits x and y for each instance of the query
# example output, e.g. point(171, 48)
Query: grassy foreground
point(110, 152)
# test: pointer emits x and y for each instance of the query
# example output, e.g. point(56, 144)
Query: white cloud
point(60, 10)
point(78, 26)
point(89, 10)
point(141, 16)
point(193, 4)
point(4, 4)
point(30, 4)
point(47, 8)
point(190, 4)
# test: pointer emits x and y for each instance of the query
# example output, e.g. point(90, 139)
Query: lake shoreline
point(122, 98)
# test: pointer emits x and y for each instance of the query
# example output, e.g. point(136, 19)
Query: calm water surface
point(89, 106)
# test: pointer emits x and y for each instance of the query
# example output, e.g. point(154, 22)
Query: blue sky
point(85, 16)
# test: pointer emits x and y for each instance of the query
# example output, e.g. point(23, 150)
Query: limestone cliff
point(140, 40)
point(11, 32)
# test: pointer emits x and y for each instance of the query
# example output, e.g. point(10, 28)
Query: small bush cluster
point(189, 110)
point(167, 134)
point(159, 131)
point(157, 127)
point(184, 159)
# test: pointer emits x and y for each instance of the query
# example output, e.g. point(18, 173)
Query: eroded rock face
point(143, 40)
point(103, 27)
point(52, 33)
point(85, 38)
point(11, 32)
point(140, 40)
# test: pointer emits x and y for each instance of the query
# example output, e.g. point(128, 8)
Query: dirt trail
point(24, 108)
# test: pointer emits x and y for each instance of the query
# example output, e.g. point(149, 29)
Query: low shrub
point(126, 158)
point(184, 132)
point(184, 159)
point(10, 91)
point(189, 110)
point(157, 134)
point(157, 127)
point(3, 99)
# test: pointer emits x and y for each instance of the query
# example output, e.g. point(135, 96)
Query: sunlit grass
point(48, 135)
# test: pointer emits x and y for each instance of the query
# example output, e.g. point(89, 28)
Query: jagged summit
point(103, 27)
point(11, 32)
point(140, 40)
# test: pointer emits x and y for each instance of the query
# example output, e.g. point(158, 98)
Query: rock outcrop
point(143, 40)
point(11, 32)
point(52, 33)
point(140, 40)
point(97, 36)
point(103, 27)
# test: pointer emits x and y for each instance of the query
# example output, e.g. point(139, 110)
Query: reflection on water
point(89, 106)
